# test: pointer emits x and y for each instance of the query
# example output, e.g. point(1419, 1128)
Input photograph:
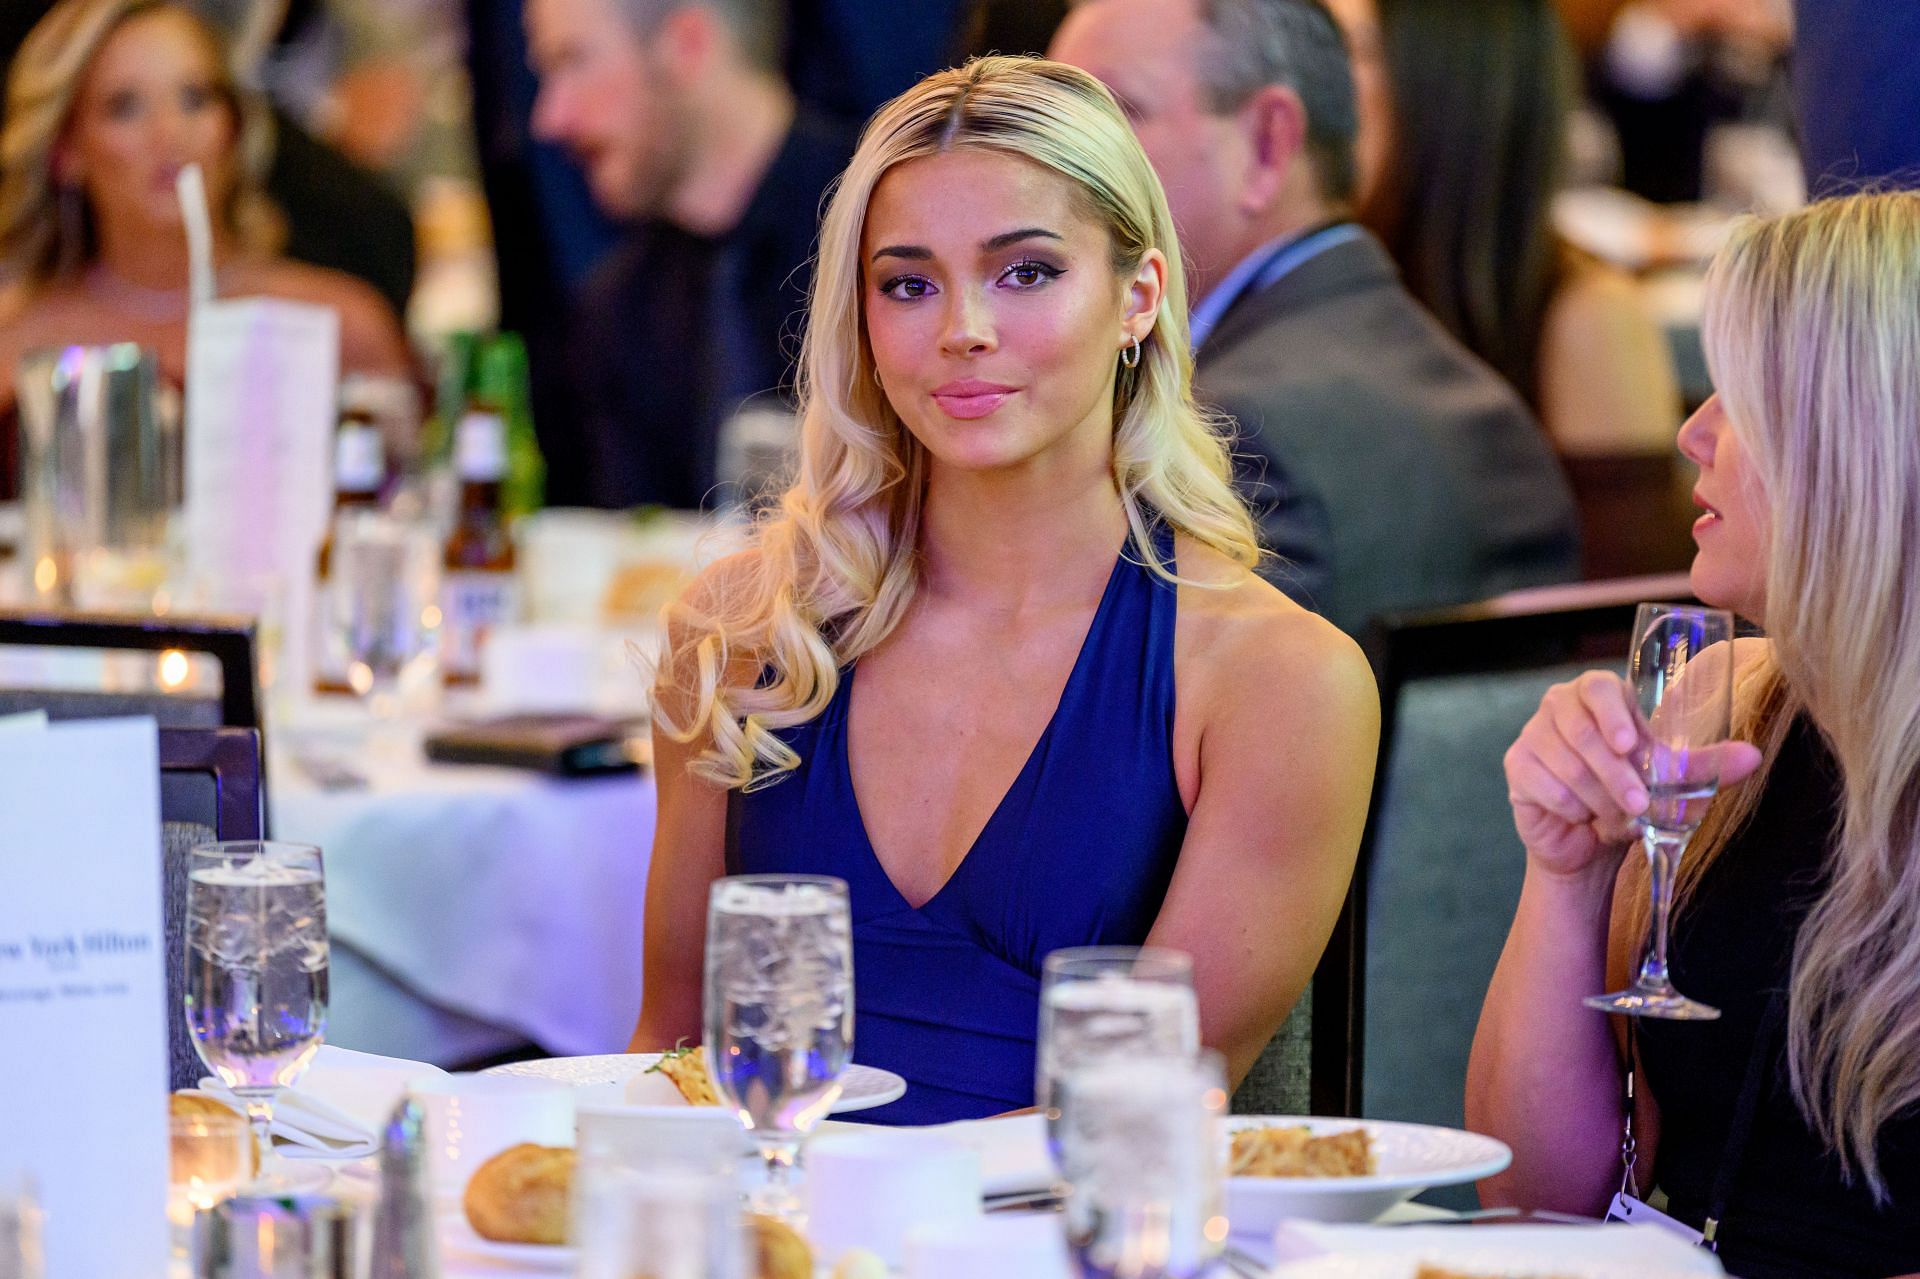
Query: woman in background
point(107, 101)
point(999, 660)
point(1797, 909)
point(1477, 97)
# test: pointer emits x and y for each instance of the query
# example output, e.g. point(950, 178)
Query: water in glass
point(779, 1008)
point(1140, 1151)
point(257, 970)
point(1681, 674)
point(1101, 1003)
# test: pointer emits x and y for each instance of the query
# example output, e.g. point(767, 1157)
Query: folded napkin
point(1572, 1251)
point(1012, 1149)
point(342, 1100)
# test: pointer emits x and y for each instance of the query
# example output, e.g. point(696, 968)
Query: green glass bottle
point(500, 380)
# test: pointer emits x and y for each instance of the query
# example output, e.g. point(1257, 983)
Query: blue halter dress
point(1078, 853)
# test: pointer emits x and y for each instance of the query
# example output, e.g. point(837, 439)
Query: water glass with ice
point(779, 1011)
point(257, 974)
point(1104, 1002)
point(1140, 1150)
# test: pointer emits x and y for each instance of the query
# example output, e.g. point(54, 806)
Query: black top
point(1789, 1212)
point(676, 329)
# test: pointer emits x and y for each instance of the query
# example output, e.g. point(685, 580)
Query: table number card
point(82, 991)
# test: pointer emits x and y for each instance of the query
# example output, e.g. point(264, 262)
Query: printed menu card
point(82, 992)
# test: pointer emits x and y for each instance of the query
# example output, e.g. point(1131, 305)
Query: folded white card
point(83, 1046)
point(262, 376)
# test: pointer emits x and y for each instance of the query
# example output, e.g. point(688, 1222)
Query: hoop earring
point(876, 378)
point(1130, 356)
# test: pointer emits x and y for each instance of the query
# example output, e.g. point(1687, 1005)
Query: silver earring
point(1130, 356)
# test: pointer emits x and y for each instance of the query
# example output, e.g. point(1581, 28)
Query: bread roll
point(520, 1195)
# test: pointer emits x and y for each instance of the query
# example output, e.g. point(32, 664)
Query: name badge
point(1637, 1213)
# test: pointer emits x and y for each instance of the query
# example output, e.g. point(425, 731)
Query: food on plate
point(687, 1068)
point(1291, 1150)
point(520, 1195)
point(778, 1253)
point(1427, 1270)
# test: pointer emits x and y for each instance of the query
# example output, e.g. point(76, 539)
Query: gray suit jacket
point(1389, 469)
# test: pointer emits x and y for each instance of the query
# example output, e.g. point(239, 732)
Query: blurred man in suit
point(1388, 467)
point(678, 114)
point(1856, 81)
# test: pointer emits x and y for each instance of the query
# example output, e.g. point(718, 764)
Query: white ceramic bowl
point(1409, 1158)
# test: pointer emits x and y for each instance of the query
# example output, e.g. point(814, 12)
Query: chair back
point(76, 666)
point(209, 790)
point(1440, 863)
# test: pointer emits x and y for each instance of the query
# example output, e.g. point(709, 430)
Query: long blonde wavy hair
point(1812, 332)
point(834, 567)
point(47, 233)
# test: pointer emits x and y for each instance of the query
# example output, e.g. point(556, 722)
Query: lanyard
point(1738, 1132)
point(1267, 270)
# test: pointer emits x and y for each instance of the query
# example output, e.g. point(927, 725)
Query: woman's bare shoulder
point(1247, 645)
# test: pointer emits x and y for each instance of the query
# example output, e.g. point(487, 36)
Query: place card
point(83, 1046)
point(262, 381)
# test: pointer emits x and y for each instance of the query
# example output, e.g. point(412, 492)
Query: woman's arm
point(689, 840)
point(1545, 1075)
point(1545, 1072)
point(1287, 721)
point(689, 853)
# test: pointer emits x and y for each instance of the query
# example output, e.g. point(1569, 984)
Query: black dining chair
point(209, 790)
point(1386, 1023)
point(228, 641)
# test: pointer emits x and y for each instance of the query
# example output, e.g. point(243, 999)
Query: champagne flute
point(1682, 675)
point(779, 1012)
point(257, 978)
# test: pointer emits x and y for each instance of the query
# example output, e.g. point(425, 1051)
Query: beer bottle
point(479, 588)
point(359, 470)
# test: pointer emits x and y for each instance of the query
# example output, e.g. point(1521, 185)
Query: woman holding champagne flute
point(1786, 1129)
point(998, 660)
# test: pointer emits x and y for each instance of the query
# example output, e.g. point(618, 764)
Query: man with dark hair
point(678, 114)
point(1389, 469)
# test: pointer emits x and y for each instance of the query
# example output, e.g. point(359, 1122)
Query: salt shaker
point(403, 1242)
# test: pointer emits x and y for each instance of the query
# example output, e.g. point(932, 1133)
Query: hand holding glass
point(1681, 672)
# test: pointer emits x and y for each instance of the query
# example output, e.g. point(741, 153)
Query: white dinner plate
point(1408, 1159)
point(1558, 1262)
point(459, 1240)
point(606, 1077)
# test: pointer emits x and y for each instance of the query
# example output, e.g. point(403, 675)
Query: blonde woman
point(107, 101)
point(999, 660)
point(1798, 905)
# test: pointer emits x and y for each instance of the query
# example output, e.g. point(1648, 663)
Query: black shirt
point(1789, 1212)
point(676, 329)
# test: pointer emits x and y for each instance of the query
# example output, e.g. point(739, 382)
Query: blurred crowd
point(633, 186)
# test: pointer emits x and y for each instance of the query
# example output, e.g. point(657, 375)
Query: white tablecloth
point(508, 898)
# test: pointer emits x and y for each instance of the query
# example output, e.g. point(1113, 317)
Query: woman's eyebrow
point(920, 253)
point(1006, 238)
